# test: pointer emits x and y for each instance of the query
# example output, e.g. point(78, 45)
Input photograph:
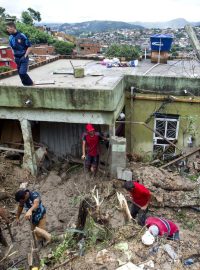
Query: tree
point(128, 51)
point(2, 12)
point(26, 18)
point(63, 47)
point(36, 16)
point(35, 35)
point(30, 15)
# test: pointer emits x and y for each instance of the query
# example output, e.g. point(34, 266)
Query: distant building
point(87, 47)
point(7, 57)
point(43, 50)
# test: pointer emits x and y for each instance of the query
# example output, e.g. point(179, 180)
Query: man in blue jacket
point(21, 47)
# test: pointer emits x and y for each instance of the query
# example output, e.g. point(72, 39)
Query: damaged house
point(161, 105)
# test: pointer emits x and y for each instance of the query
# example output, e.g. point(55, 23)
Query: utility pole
point(193, 39)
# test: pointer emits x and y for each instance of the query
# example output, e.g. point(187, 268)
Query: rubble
point(168, 189)
point(109, 242)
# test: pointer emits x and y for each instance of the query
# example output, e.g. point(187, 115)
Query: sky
point(116, 10)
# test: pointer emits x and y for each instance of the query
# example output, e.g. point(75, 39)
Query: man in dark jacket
point(21, 47)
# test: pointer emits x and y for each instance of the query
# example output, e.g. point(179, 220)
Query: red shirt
point(165, 226)
point(92, 143)
point(140, 194)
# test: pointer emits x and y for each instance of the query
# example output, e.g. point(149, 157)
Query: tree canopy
point(127, 51)
point(30, 16)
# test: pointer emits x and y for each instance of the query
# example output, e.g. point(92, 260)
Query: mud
point(62, 191)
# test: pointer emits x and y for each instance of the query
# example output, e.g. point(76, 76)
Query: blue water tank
point(161, 42)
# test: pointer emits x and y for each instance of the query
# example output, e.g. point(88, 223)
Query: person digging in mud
point(140, 197)
point(35, 210)
point(4, 216)
point(91, 140)
point(159, 227)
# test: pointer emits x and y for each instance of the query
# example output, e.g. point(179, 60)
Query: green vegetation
point(4, 69)
point(35, 35)
point(61, 250)
point(127, 51)
point(30, 16)
point(63, 47)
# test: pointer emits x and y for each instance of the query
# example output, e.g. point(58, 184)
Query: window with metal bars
point(166, 127)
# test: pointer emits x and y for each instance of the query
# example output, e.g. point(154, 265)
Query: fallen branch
point(181, 157)
point(11, 149)
point(124, 206)
point(7, 253)
point(97, 198)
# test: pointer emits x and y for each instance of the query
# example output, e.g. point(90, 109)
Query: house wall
point(88, 48)
point(63, 98)
point(43, 50)
point(140, 139)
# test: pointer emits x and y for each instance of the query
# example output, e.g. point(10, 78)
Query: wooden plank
point(44, 82)
point(181, 157)
point(11, 149)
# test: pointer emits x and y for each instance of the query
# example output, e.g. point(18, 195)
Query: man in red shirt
point(162, 227)
point(140, 197)
point(90, 140)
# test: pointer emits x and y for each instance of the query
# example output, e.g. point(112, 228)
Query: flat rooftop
point(101, 77)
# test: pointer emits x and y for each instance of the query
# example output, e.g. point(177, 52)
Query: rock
point(3, 194)
point(147, 264)
point(123, 246)
point(23, 185)
point(104, 256)
point(166, 266)
point(129, 266)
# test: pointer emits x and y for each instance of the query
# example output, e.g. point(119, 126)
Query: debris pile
point(89, 228)
point(115, 62)
point(168, 188)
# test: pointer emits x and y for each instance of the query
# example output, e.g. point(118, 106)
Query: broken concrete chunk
point(147, 264)
point(129, 266)
point(124, 174)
